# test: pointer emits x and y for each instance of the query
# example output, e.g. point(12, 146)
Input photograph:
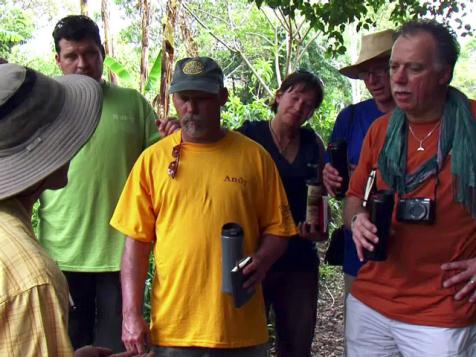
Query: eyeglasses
point(173, 166)
point(377, 72)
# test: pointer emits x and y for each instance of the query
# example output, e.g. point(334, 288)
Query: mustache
point(190, 117)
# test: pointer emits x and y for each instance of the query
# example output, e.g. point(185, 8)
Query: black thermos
point(338, 156)
point(380, 207)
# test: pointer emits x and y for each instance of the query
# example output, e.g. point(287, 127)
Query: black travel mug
point(380, 209)
point(338, 156)
point(231, 249)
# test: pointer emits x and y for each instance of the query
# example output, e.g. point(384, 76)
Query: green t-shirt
point(74, 221)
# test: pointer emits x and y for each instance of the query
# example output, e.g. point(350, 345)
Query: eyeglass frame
point(378, 72)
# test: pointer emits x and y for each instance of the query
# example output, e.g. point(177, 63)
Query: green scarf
point(457, 135)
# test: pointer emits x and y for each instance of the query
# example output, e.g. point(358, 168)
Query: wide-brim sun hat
point(44, 122)
point(374, 45)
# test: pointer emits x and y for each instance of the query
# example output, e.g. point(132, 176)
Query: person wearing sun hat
point(374, 46)
point(43, 123)
point(353, 122)
point(180, 193)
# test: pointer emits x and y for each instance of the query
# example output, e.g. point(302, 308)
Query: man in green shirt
point(74, 225)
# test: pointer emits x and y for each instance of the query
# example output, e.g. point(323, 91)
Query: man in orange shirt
point(414, 302)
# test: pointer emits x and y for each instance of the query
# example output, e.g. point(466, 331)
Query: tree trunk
point(145, 7)
point(190, 45)
point(84, 7)
point(108, 44)
point(162, 101)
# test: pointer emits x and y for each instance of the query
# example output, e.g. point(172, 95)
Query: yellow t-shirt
point(233, 180)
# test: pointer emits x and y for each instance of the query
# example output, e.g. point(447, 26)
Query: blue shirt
point(351, 125)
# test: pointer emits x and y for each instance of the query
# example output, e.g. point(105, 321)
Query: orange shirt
point(408, 285)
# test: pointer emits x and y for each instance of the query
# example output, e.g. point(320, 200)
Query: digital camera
point(416, 210)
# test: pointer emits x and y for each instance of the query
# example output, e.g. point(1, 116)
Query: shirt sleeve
point(134, 215)
point(151, 132)
point(35, 323)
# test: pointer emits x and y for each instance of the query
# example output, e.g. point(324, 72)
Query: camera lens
point(417, 211)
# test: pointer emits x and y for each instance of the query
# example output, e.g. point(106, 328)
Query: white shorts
point(370, 334)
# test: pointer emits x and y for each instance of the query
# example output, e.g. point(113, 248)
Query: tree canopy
point(331, 17)
point(16, 28)
point(257, 42)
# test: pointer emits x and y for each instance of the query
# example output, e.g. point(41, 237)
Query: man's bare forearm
point(135, 265)
point(271, 248)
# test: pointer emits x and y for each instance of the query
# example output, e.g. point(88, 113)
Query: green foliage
point(44, 65)
point(35, 218)
point(16, 28)
point(331, 17)
point(236, 112)
point(259, 35)
point(264, 69)
point(117, 68)
point(466, 66)
point(336, 208)
point(153, 79)
point(148, 288)
point(328, 272)
point(126, 78)
point(323, 119)
point(10, 37)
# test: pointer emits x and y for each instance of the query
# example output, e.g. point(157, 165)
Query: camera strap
point(437, 182)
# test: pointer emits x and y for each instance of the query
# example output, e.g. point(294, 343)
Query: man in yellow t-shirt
point(179, 194)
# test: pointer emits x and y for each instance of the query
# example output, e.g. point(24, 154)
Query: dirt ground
point(329, 338)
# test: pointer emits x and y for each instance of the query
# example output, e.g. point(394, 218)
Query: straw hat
point(374, 45)
point(43, 123)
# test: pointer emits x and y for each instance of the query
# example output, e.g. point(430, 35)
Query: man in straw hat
point(353, 122)
point(419, 301)
point(73, 225)
point(179, 194)
point(43, 123)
